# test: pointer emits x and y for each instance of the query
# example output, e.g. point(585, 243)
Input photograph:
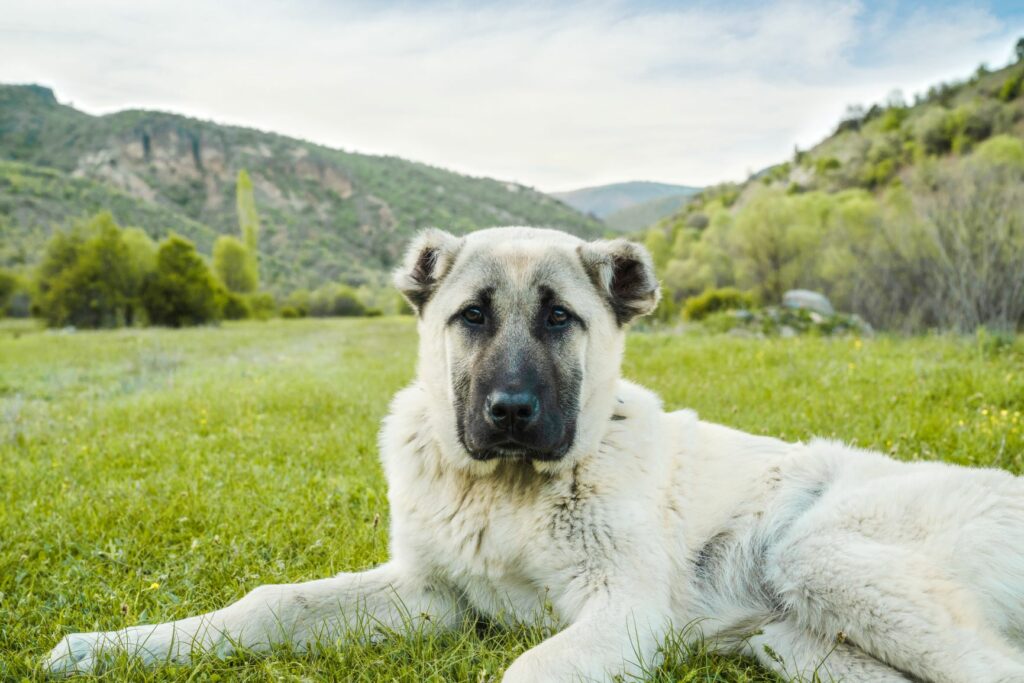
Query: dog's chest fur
point(514, 541)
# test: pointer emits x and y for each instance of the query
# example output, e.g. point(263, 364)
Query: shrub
point(1011, 87)
point(181, 291)
point(90, 277)
point(234, 306)
point(335, 300)
point(1001, 150)
point(299, 301)
point(262, 305)
point(697, 221)
point(823, 165)
point(8, 285)
point(715, 300)
point(936, 130)
point(233, 264)
point(893, 118)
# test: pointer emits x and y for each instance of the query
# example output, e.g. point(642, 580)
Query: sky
point(555, 95)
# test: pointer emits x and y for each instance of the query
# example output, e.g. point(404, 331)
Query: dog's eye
point(473, 315)
point(558, 317)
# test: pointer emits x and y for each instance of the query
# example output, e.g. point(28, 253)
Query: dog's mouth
point(512, 450)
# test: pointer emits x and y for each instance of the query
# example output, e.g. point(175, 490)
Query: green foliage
point(779, 321)
point(335, 300)
point(299, 301)
point(117, 447)
point(325, 215)
point(716, 300)
point(1011, 87)
point(233, 265)
point(91, 277)
point(823, 165)
point(262, 305)
point(8, 285)
point(34, 201)
point(1001, 150)
point(775, 240)
point(234, 306)
point(858, 217)
point(936, 129)
point(249, 225)
point(893, 118)
point(181, 291)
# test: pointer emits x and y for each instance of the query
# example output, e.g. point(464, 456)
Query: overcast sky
point(553, 95)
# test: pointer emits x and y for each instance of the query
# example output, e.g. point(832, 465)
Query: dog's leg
point(378, 600)
point(894, 604)
point(796, 654)
point(607, 640)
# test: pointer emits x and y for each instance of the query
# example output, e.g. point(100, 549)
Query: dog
point(527, 479)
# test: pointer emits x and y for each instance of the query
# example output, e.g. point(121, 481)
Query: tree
point(86, 277)
point(181, 291)
point(1019, 50)
point(141, 261)
point(335, 300)
point(8, 284)
point(248, 221)
point(232, 264)
point(776, 242)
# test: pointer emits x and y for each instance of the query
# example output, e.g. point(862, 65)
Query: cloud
point(553, 97)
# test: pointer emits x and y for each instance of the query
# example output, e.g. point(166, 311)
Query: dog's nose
point(512, 411)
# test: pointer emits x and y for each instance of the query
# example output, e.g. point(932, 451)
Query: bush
point(823, 165)
point(234, 306)
point(262, 305)
point(91, 277)
point(715, 300)
point(893, 118)
point(233, 265)
point(8, 285)
point(1011, 87)
point(936, 130)
point(181, 291)
point(299, 302)
point(335, 300)
point(1001, 150)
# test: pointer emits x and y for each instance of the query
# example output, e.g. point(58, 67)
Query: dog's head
point(521, 338)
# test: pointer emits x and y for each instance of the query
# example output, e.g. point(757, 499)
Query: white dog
point(523, 472)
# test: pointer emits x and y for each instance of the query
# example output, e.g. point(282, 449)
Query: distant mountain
point(646, 214)
point(604, 200)
point(326, 214)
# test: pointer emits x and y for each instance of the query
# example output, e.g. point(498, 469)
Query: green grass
point(147, 475)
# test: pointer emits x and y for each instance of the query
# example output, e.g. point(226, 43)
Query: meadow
point(148, 475)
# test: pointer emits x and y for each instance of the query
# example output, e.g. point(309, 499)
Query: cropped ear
point(624, 274)
point(428, 259)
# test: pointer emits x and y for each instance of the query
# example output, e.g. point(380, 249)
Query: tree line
point(99, 274)
point(940, 247)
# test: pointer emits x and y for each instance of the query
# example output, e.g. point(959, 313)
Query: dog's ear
point(428, 260)
point(624, 273)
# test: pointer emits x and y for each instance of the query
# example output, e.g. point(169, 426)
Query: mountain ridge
point(603, 201)
point(327, 214)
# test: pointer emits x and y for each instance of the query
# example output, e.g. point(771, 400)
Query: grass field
point(147, 475)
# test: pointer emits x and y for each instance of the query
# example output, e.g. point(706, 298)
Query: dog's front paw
point(533, 667)
point(76, 653)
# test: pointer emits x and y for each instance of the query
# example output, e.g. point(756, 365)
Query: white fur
point(843, 562)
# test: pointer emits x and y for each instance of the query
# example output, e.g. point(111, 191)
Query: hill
point(36, 200)
point(639, 216)
point(909, 214)
point(326, 214)
point(604, 200)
